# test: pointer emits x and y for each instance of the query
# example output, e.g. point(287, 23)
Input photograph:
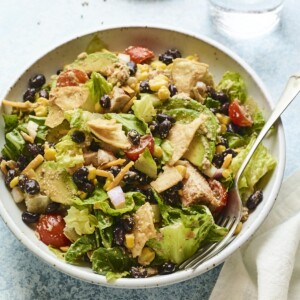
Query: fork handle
point(290, 92)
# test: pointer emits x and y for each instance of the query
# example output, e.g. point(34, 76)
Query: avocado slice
point(56, 183)
point(200, 150)
point(95, 62)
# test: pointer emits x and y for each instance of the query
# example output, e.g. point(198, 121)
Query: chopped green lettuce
point(10, 122)
point(14, 145)
point(98, 87)
point(69, 153)
point(233, 85)
point(182, 238)
point(97, 196)
point(261, 163)
point(128, 122)
point(81, 246)
point(105, 223)
point(133, 200)
point(114, 260)
point(81, 220)
point(167, 149)
point(144, 109)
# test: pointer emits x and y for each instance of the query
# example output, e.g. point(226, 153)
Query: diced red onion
point(124, 57)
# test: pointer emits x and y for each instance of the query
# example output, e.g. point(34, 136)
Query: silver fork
point(231, 215)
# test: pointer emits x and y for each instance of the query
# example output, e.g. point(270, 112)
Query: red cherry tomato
point(50, 229)
point(134, 152)
point(71, 78)
point(139, 54)
point(238, 114)
point(219, 192)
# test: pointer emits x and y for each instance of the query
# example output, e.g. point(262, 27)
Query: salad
point(124, 159)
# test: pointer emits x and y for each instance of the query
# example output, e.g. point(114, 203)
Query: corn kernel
point(3, 167)
point(158, 65)
point(41, 111)
point(142, 75)
point(182, 170)
point(157, 82)
point(157, 151)
point(143, 67)
point(163, 93)
point(129, 240)
point(238, 228)
point(14, 182)
point(226, 173)
point(223, 119)
point(92, 173)
point(50, 154)
point(227, 161)
point(64, 248)
point(98, 107)
point(223, 128)
point(146, 256)
point(220, 148)
point(82, 195)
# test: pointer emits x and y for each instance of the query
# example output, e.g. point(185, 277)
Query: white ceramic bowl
point(220, 60)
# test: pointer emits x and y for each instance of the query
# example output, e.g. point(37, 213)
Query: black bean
point(37, 81)
point(144, 86)
point(115, 170)
point(166, 268)
point(233, 128)
point(164, 128)
point(162, 117)
point(254, 199)
point(86, 186)
point(149, 196)
point(52, 207)
point(220, 96)
point(153, 126)
point(224, 108)
point(229, 151)
point(94, 146)
point(171, 197)
point(105, 101)
point(175, 53)
point(10, 175)
point(218, 160)
point(134, 137)
point(34, 149)
point(101, 179)
point(29, 218)
point(119, 235)
point(59, 71)
point(78, 136)
point(173, 90)
point(44, 94)
point(138, 272)
point(130, 177)
point(132, 67)
point(22, 162)
point(143, 178)
point(80, 175)
point(178, 186)
point(166, 58)
point(31, 187)
point(127, 223)
point(223, 141)
point(22, 180)
point(29, 95)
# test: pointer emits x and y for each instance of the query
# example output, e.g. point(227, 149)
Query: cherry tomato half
point(50, 229)
point(134, 152)
point(71, 78)
point(238, 114)
point(219, 192)
point(139, 54)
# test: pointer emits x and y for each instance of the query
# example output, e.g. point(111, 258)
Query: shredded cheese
point(27, 137)
point(33, 164)
point(116, 162)
point(120, 176)
point(105, 174)
point(21, 105)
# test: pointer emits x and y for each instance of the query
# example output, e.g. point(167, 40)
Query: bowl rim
point(179, 276)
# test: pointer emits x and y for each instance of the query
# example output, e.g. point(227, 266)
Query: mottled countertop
point(29, 28)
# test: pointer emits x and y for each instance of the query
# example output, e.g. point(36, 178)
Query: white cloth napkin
point(268, 266)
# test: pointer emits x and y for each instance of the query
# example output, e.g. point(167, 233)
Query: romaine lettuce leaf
point(168, 150)
point(260, 163)
point(81, 220)
point(69, 153)
point(97, 196)
point(10, 122)
point(114, 260)
point(80, 247)
point(144, 109)
point(105, 223)
point(14, 145)
point(233, 85)
point(128, 122)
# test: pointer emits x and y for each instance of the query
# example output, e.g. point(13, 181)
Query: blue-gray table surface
point(29, 28)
